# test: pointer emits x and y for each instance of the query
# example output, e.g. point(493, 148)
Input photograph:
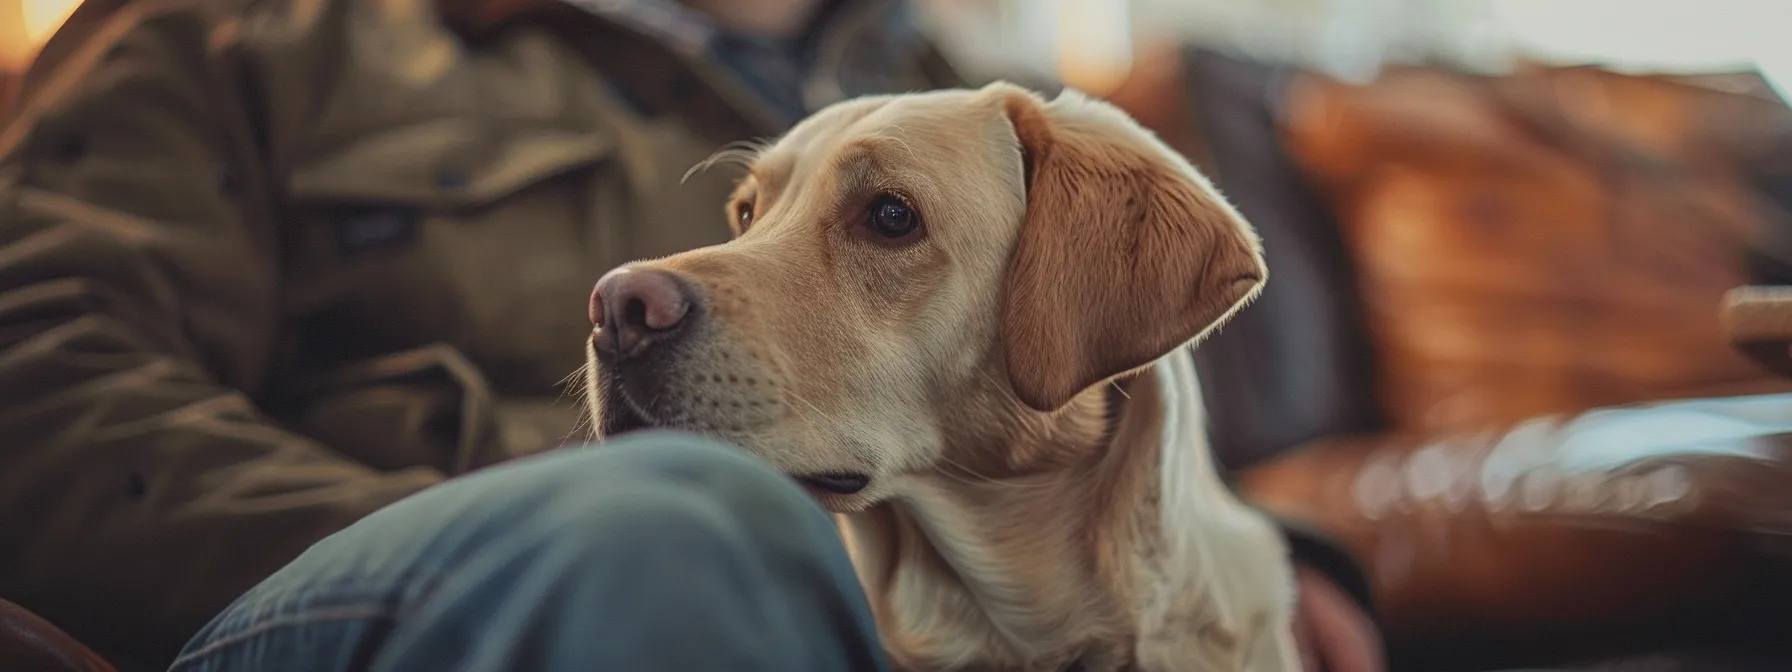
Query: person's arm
point(140, 488)
point(1334, 616)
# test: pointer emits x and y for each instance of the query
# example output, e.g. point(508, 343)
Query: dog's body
point(1134, 557)
point(995, 399)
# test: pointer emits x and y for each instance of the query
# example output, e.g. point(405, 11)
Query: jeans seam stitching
point(368, 611)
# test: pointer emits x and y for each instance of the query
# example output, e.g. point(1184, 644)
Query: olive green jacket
point(268, 266)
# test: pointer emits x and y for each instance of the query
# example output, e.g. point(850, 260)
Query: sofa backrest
point(1295, 365)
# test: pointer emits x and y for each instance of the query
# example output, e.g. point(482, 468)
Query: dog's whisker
point(572, 385)
point(799, 412)
point(577, 386)
point(984, 480)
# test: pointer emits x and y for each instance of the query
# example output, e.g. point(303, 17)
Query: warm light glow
point(1672, 35)
point(1094, 43)
point(43, 17)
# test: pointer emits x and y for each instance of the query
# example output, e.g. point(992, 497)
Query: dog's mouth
point(621, 414)
point(835, 482)
point(830, 487)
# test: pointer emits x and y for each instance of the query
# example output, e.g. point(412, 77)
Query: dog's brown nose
point(633, 308)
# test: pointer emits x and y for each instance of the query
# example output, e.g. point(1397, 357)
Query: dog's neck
point(1049, 540)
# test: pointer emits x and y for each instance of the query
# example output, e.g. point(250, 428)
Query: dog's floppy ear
point(1126, 252)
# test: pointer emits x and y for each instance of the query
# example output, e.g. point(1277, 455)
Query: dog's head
point(913, 273)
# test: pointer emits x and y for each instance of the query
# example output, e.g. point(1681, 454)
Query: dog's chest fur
point(1141, 561)
point(953, 591)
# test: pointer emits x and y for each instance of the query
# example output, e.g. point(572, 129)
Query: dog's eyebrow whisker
point(899, 138)
point(743, 152)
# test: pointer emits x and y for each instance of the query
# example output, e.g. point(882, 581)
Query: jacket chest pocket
point(437, 233)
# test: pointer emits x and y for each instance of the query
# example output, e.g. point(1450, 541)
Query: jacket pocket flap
point(444, 164)
point(428, 406)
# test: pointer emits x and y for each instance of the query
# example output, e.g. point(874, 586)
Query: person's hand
point(1332, 631)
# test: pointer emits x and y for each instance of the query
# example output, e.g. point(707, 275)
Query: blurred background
point(1347, 38)
point(1353, 38)
point(24, 26)
point(1524, 362)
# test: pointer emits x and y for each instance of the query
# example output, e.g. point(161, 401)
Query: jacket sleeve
point(140, 488)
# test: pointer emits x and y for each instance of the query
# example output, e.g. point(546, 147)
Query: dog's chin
point(838, 503)
point(617, 417)
point(616, 410)
point(621, 418)
point(616, 414)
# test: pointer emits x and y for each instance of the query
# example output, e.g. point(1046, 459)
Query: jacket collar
point(847, 52)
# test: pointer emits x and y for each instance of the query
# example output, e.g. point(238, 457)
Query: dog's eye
point(891, 218)
point(744, 215)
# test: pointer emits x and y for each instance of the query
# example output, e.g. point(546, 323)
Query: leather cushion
point(1552, 241)
point(28, 643)
point(1562, 537)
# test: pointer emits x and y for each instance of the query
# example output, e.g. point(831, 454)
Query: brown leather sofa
point(30, 644)
point(1482, 290)
point(8, 81)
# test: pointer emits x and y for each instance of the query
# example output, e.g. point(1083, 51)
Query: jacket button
point(453, 180)
point(229, 182)
point(681, 90)
point(69, 148)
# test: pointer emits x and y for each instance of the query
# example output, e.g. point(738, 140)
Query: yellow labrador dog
point(958, 318)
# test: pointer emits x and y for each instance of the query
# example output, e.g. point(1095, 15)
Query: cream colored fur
point(1009, 522)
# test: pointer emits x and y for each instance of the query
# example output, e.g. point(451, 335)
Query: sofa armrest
point(1759, 322)
point(28, 642)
